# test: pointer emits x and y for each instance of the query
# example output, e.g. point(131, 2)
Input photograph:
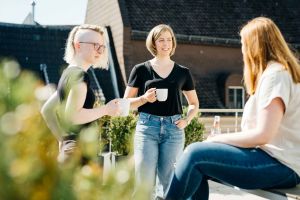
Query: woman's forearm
point(84, 115)
point(192, 111)
point(247, 139)
point(137, 102)
point(268, 122)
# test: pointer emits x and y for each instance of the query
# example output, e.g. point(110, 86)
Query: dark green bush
point(194, 131)
point(120, 130)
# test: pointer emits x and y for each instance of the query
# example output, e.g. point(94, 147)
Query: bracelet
point(143, 100)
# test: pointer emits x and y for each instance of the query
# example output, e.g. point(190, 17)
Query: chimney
point(33, 11)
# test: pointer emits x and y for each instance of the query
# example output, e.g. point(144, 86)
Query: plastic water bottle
point(216, 129)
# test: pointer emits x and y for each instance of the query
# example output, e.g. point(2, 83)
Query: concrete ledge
point(278, 194)
point(274, 194)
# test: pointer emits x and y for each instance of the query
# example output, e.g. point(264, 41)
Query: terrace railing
point(230, 119)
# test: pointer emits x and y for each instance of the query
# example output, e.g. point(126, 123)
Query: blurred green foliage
point(27, 150)
point(28, 166)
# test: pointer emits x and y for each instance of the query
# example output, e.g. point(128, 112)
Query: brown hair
point(262, 42)
point(155, 33)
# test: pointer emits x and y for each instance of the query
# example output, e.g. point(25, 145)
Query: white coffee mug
point(162, 94)
point(125, 107)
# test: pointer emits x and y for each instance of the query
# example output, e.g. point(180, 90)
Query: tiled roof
point(33, 45)
point(207, 88)
point(213, 18)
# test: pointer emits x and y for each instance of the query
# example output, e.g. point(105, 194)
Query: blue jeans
point(157, 144)
point(247, 168)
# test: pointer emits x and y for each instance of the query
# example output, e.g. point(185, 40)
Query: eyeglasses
point(98, 47)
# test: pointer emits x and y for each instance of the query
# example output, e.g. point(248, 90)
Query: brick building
point(207, 34)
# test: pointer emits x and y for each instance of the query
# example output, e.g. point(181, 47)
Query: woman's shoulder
point(181, 68)
point(276, 70)
point(74, 69)
point(274, 67)
point(73, 73)
point(275, 76)
point(142, 65)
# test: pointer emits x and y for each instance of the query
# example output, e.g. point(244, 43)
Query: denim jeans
point(157, 144)
point(247, 168)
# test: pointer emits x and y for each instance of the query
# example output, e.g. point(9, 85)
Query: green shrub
point(194, 131)
point(120, 130)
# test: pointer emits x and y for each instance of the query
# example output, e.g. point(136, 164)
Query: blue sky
point(47, 12)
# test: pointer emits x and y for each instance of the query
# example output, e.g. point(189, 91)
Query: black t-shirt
point(70, 77)
point(144, 77)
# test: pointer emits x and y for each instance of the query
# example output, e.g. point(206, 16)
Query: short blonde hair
point(70, 49)
point(155, 33)
point(263, 42)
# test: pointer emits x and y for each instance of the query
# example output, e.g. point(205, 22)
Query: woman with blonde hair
point(266, 153)
point(159, 136)
point(85, 47)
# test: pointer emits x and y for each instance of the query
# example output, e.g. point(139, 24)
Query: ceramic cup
point(162, 94)
point(125, 107)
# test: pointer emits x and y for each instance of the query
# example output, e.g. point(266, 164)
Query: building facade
point(207, 34)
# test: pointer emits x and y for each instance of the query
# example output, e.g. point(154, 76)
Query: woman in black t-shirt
point(71, 108)
point(159, 136)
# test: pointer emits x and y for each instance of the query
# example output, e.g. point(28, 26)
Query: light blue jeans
point(158, 142)
point(247, 168)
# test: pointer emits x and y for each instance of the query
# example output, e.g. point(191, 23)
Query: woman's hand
point(150, 95)
point(182, 123)
point(113, 108)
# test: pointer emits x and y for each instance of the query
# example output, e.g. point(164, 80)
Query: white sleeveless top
point(277, 82)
